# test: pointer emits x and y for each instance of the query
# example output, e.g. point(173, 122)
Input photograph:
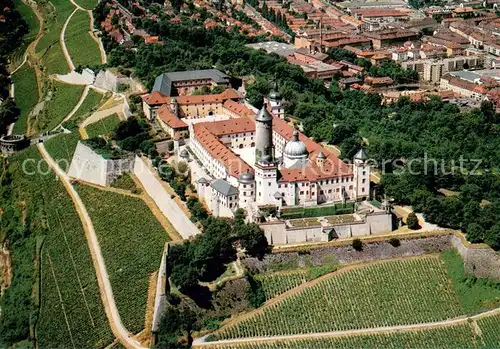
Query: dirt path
point(101, 114)
point(111, 189)
point(199, 342)
point(104, 58)
point(63, 43)
point(77, 106)
point(105, 288)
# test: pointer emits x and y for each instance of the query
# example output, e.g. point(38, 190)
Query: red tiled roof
point(156, 98)
point(238, 108)
point(234, 165)
point(170, 119)
point(231, 126)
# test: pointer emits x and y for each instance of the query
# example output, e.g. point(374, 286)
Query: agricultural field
point(25, 95)
point(90, 104)
point(474, 295)
point(62, 147)
point(71, 312)
point(49, 47)
point(340, 219)
point(396, 292)
point(103, 127)
point(317, 211)
point(452, 337)
point(274, 284)
point(132, 241)
point(277, 283)
point(83, 49)
point(64, 98)
point(304, 222)
point(490, 328)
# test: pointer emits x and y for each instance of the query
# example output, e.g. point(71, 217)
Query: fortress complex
point(248, 159)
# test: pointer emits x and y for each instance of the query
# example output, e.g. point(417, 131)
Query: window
point(362, 190)
point(260, 194)
point(364, 180)
point(364, 173)
point(321, 192)
point(244, 185)
point(301, 192)
point(329, 191)
point(269, 184)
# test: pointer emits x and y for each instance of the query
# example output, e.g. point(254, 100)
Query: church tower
point(264, 135)
point(275, 101)
point(266, 169)
point(361, 175)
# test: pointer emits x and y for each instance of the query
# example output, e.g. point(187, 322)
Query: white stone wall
point(266, 185)
point(91, 167)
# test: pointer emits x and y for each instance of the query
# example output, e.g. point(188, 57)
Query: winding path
point(199, 342)
point(105, 288)
point(74, 110)
point(63, 43)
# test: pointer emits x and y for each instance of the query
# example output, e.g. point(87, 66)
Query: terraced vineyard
point(83, 49)
point(25, 95)
point(64, 98)
point(452, 337)
point(132, 241)
point(274, 284)
point(103, 127)
point(88, 106)
point(490, 327)
point(71, 313)
point(62, 148)
point(388, 293)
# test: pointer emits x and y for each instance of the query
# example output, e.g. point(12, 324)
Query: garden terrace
point(317, 211)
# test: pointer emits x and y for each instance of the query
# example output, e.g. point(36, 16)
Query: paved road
point(162, 198)
point(105, 289)
point(199, 342)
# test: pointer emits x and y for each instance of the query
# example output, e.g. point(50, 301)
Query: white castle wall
point(277, 233)
point(91, 167)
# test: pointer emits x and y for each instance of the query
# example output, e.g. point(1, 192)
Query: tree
point(412, 221)
point(357, 244)
point(9, 113)
point(252, 239)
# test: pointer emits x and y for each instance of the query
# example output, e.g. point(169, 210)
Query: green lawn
point(475, 295)
point(83, 50)
point(103, 127)
point(71, 313)
point(89, 105)
point(64, 99)
point(62, 148)
point(25, 94)
point(132, 241)
point(49, 46)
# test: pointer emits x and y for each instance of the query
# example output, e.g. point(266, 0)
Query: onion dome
point(184, 154)
point(321, 155)
point(263, 115)
point(173, 100)
point(202, 180)
point(295, 149)
point(246, 178)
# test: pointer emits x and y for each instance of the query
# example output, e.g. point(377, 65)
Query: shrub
point(412, 221)
point(394, 242)
point(357, 244)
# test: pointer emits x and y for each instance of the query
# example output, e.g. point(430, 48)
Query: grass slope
point(454, 337)
point(103, 127)
point(62, 148)
point(126, 182)
point(25, 94)
point(64, 99)
point(389, 293)
point(83, 50)
point(475, 295)
point(71, 313)
point(132, 241)
point(49, 47)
